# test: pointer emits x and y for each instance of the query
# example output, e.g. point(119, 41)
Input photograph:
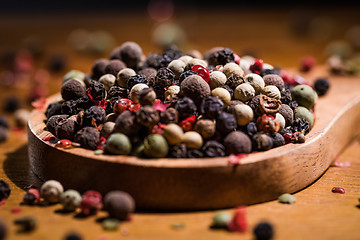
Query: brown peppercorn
point(114, 67)
point(72, 90)
point(269, 105)
point(149, 74)
point(130, 53)
point(147, 96)
point(298, 137)
point(237, 142)
point(170, 115)
point(119, 204)
point(88, 137)
point(126, 123)
point(98, 68)
point(262, 142)
point(196, 88)
point(286, 111)
point(148, 116)
point(53, 121)
point(205, 127)
point(274, 79)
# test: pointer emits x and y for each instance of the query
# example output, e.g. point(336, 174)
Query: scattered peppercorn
point(119, 204)
point(321, 86)
point(338, 190)
point(4, 190)
point(287, 198)
point(27, 224)
point(263, 231)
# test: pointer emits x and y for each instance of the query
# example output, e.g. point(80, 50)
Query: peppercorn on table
point(318, 213)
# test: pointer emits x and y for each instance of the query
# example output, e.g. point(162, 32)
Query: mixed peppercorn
point(174, 105)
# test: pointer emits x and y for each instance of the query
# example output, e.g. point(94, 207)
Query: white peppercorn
point(192, 140)
point(171, 93)
point(272, 91)
point(108, 80)
point(231, 68)
point(107, 129)
point(185, 59)
point(222, 94)
point(177, 67)
point(217, 79)
point(281, 120)
point(243, 113)
point(134, 92)
point(124, 75)
point(51, 191)
point(244, 92)
point(195, 61)
point(256, 81)
point(70, 199)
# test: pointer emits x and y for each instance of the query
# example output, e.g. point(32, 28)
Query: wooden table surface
point(317, 214)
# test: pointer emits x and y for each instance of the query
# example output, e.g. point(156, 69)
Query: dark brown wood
point(195, 184)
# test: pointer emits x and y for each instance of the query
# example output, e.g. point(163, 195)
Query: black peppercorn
point(211, 107)
point(133, 80)
point(186, 74)
point(72, 90)
point(53, 121)
point(262, 142)
point(263, 231)
point(251, 129)
point(114, 67)
point(97, 91)
point(170, 115)
point(178, 151)
point(225, 123)
point(69, 107)
point(11, 104)
point(300, 125)
point(278, 140)
point(186, 107)
point(321, 86)
point(194, 153)
point(66, 129)
point(293, 105)
point(213, 148)
point(225, 56)
point(4, 190)
point(285, 96)
point(147, 96)
point(127, 123)
point(164, 77)
point(53, 109)
point(93, 116)
point(234, 80)
point(118, 92)
point(98, 68)
point(147, 116)
point(27, 224)
point(88, 137)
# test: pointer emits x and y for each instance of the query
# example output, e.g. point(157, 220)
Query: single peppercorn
point(192, 140)
point(88, 137)
point(178, 151)
point(93, 116)
point(70, 200)
point(195, 88)
point(274, 79)
point(234, 80)
point(91, 203)
point(211, 107)
point(237, 142)
point(52, 109)
point(225, 56)
point(53, 121)
point(155, 145)
point(221, 220)
point(27, 224)
point(119, 204)
point(66, 129)
point(225, 123)
point(133, 80)
point(4, 190)
point(304, 95)
point(263, 231)
point(206, 128)
point(147, 96)
point(213, 148)
point(130, 53)
point(262, 142)
point(127, 123)
point(321, 86)
point(118, 144)
point(114, 67)
point(51, 190)
point(232, 68)
point(285, 96)
point(96, 91)
point(117, 92)
point(170, 115)
point(98, 68)
point(186, 74)
point(186, 107)
point(164, 77)
point(72, 90)
point(147, 116)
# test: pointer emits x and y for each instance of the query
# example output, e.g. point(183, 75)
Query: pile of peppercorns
point(180, 106)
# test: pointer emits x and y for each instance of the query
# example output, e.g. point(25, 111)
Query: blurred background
point(42, 40)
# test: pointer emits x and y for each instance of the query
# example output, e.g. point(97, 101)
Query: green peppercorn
point(287, 198)
point(118, 143)
point(304, 113)
point(304, 95)
point(70, 199)
point(110, 224)
point(155, 145)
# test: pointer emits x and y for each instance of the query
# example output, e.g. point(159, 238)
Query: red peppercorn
point(188, 123)
point(64, 143)
point(307, 63)
point(338, 190)
point(121, 105)
point(91, 202)
point(287, 77)
point(238, 223)
point(267, 124)
point(236, 58)
point(257, 66)
point(202, 72)
point(235, 159)
point(287, 137)
point(101, 143)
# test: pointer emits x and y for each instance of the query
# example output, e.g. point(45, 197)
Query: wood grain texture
point(210, 183)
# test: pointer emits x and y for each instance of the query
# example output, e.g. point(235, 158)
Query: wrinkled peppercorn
point(94, 116)
point(53, 109)
point(118, 92)
point(133, 80)
point(234, 80)
point(225, 56)
point(127, 123)
point(225, 123)
point(66, 129)
point(213, 149)
point(186, 74)
point(285, 96)
point(194, 153)
point(300, 125)
point(97, 91)
point(88, 137)
point(211, 107)
point(178, 151)
point(147, 116)
point(186, 107)
point(53, 121)
point(164, 77)
point(170, 115)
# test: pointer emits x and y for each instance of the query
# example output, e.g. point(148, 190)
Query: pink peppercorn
point(202, 72)
point(91, 202)
point(64, 143)
point(238, 223)
point(338, 190)
point(307, 63)
point(257, 66)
